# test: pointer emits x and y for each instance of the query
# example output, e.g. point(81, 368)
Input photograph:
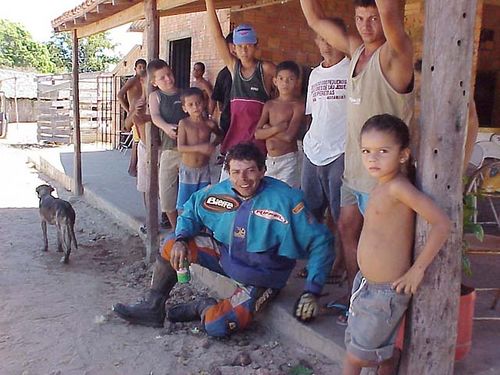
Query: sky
point(41, 13)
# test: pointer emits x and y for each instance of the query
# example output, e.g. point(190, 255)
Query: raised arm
point(397, 53)
point(154, 109)
point(216, 31)
point(440, 230)
point(332, 33)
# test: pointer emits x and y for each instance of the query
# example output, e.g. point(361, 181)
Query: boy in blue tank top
point(252, 81)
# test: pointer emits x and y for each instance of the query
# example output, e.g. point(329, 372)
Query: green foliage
point(94, 52)
point(19, 50)
point(469, 226)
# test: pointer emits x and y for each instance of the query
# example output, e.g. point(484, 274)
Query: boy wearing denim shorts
point(194, 145)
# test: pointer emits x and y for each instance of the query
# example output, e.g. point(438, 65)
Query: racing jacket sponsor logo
point(221, 203)
point(240, 232)
point(271, 215)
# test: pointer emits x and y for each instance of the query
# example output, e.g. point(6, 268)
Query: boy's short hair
point(289, 65)
point(229, 38)
point(191, 91)
point(155, 65)
point(364, 3)
point(140, 61)
point(244, 34)
point(245, 151)
point(199, 63)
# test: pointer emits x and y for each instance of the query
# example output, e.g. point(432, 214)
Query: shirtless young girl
point(387, 278)
point(279, 124)
point(193, 142)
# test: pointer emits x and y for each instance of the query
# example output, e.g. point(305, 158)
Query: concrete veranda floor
point(108, 186)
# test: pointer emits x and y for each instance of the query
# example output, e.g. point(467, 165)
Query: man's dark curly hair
point(245, 151)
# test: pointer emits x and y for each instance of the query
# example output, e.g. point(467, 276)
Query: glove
point(306, 308)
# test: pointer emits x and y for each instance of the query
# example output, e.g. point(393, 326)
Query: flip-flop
point(336, 307)
point(342, 318)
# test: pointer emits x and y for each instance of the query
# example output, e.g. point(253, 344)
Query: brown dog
point(57, 212)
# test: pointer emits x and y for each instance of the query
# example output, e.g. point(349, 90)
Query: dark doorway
point(485, 97)
point(180, 61)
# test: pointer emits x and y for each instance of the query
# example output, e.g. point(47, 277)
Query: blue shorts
point(190, 181)
point(349, 197)
point(232, 314)
point(321, 186)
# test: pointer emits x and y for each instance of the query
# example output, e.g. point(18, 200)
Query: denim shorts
point(375, 313)
point(349, 197)
point(321, 186)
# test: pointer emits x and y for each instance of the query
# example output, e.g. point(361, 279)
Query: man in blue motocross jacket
point(250, 228)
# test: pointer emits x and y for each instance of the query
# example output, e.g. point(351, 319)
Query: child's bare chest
point(280, 112)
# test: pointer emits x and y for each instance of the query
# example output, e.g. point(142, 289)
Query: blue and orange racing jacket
point(260, 238)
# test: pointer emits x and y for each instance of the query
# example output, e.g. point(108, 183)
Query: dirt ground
point(56, 319)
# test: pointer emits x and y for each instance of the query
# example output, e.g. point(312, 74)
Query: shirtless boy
point(205, 86)
point(380, 81)
point(387, 279)
point(129, 94)
point(252, 80)
point(279, 124)
point(193, 142)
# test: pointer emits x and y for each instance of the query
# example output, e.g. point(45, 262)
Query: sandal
point(342, 318)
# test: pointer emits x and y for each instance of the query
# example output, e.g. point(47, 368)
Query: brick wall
point(283, 31)
point(193, 26)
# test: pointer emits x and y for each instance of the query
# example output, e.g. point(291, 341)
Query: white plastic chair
point(126, 141)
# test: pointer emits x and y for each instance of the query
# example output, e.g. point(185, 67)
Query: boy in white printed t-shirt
point(324, 142)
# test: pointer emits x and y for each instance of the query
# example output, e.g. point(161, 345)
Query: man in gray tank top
point(380, 81)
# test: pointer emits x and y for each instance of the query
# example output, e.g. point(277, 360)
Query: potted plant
point(467, 293)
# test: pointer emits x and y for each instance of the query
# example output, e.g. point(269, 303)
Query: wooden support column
point(77, 161)
point(447, 63)
point(152, 134)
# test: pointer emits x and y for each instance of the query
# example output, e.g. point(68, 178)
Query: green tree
point(95, 53)
point(19, 50)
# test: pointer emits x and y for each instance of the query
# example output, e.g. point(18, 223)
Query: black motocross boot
point(150, 310)
point(187, 312)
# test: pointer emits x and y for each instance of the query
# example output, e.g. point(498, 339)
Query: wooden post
point(446, 71)
point(152, 135)
point(77, 163)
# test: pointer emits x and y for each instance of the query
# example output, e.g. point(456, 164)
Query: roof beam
point(127, 15)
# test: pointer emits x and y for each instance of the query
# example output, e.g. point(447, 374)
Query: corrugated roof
point(22, 84)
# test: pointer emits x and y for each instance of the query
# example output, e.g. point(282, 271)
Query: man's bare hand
point(178, 254)
point(172, 132)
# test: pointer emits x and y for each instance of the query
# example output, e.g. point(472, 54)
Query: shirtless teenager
point(128, 95)
point(387, 278)
point(194, 145)
point(205, 86)
point(380, 81)
point(279, 124)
